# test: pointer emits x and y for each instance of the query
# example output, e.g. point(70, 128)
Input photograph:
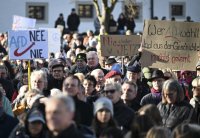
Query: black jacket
point(54, 83)
point(73, 22)
point(123, 115)
point(8, 87)
point(7, 124)
point(173, 115)
point(70, 132)
point(151, 98)
point(134, 105)
point(83, 113)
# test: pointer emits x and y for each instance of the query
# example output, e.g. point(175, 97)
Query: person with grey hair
point(129, 94)
point(122, 113)
point(59, 111)
point(93, 62)
point(99, 76)
point(39, 81)
point(173, 109)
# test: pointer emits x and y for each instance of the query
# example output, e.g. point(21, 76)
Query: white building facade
point(48, 11)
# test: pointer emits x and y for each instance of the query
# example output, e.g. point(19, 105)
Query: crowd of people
point(77, 93)
point(118, 26)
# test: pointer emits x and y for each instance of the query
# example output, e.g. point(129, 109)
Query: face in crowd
point(25, 78)
point(89, 86)
point(103, 115)
point(35, 128)
point(71, 86)
point(112, 92)
point(58, 116)
point(99, 76)
point(58, 72)
point(80, 63)
point(129, 92)
point(157, 83)
point(132, 76)
point(172, 92)
point(92, 59)
point(3, 72)
point(37, 82)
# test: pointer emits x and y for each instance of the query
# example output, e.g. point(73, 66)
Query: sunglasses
point(109, 91)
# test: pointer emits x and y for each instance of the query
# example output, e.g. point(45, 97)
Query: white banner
point(54, 42)
point(28, 44)
point(20, 23)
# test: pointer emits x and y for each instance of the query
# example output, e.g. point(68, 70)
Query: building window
point(85, 10)
point(39, 11)
point(137, 11)
point(177, 9)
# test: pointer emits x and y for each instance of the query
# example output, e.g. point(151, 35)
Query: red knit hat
point(112, 73)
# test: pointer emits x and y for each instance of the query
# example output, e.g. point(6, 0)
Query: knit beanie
point(103, 103)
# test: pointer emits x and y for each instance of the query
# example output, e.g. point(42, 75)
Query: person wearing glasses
point(122, 113)
point(57, 76)
point(174, 110)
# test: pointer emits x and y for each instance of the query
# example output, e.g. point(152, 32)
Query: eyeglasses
point(109, 91)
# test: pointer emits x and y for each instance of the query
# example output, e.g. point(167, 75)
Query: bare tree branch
point(95, 2)
point(113, 3)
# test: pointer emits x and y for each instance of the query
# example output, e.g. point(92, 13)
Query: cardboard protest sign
point(21, 23)
point(119, 45)
point(169, 44)
point(54, 42)
point(28, 44)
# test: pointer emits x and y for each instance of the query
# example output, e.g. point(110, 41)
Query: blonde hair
point(81, 76)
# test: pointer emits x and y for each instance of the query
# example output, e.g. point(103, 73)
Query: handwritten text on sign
point(119, 45)
point(171, 44)
point(28, 44)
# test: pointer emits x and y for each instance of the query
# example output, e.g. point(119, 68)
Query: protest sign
point(21, 23)
point(54, 42)
point(169, 44)
point(119, 45)
point(28, 44)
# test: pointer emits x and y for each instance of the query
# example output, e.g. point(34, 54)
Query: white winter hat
point(103, 103)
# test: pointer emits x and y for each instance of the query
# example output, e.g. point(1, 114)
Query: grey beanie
point(103, 103)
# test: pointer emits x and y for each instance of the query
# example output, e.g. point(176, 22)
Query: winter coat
point(83, 113)
point(173, 115)
point(20, 132)
point(123, 115)
point(121, 23)
point(74, 69)
point(151, 98)
point(70, 132)
point(73, 22)
point(7, 106)
point(54, 83)
point(7, 124)
point(195, 102)
point(8, 87)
